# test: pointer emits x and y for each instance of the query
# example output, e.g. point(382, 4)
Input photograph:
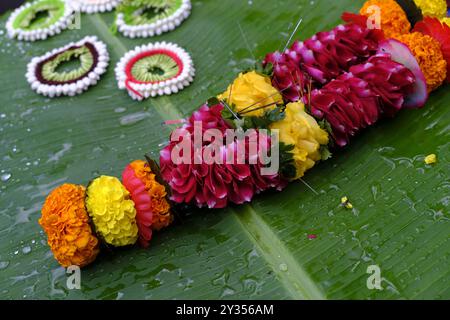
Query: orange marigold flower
point(394, 20)
point(149, 196)
point(66, 223)
point(162, 217)
point(428, 53)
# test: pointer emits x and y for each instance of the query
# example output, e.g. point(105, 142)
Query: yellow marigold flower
point(252, 91)
point(113, 213)
point(66, 223)
point(431, 159)
point(428, 53)
point(446, 20)
point(303, 132)
point(162, 217)
point(394, 20)
point(432, 8)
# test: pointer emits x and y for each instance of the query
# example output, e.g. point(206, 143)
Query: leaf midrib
point(297, 282)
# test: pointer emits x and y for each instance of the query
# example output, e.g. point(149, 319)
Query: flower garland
point(94, 6)
point(44, 77)
point(429, 48)
point(318, 95)
point(147, 18)
point(321, 58)
point(119, 214)
point(25, 24)
point(154, 70)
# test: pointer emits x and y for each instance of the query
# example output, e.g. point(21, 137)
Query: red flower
point(142, 202)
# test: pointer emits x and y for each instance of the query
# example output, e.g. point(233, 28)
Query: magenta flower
point(219, 183)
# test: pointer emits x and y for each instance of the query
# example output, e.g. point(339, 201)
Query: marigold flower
point(113, 213)
point(394, 20)
point(440, 32)
point(250, 93)
point(432, 8)
point(149, 196)
point(301, 130)
point(429, 55)
point(66, 223)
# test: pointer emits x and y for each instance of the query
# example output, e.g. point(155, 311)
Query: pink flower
point(218, 184)
point(287, 76)
point(357, 99)
point(321, 59)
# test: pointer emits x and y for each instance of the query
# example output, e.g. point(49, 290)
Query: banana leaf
point(297, 244)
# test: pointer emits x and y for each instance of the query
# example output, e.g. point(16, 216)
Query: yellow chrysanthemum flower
point(302, 131)
point(446, 20)
point(250, 93)
point(113, 213)
point(432, 8)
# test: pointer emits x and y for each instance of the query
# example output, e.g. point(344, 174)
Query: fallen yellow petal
point(431, 159)
point(346, 203)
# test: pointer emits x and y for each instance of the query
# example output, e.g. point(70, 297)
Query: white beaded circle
point(176, 70)
point(58, 85)
point(18, 25)
point(157, 27)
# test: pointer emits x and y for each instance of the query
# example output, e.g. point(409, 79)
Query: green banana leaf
point(297, 244)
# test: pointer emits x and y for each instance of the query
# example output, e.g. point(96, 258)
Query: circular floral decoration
point(39, 20)
point(93, 6)
point(154, 70)
point(147, 18)
point(44, 73)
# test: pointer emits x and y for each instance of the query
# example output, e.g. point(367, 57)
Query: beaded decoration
point(45, 78)
point(154, 70)
point(39, 20)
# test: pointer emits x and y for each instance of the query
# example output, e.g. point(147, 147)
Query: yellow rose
point(113, 213)
point(303, 132)
point(432, 8)
point(252, 91)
